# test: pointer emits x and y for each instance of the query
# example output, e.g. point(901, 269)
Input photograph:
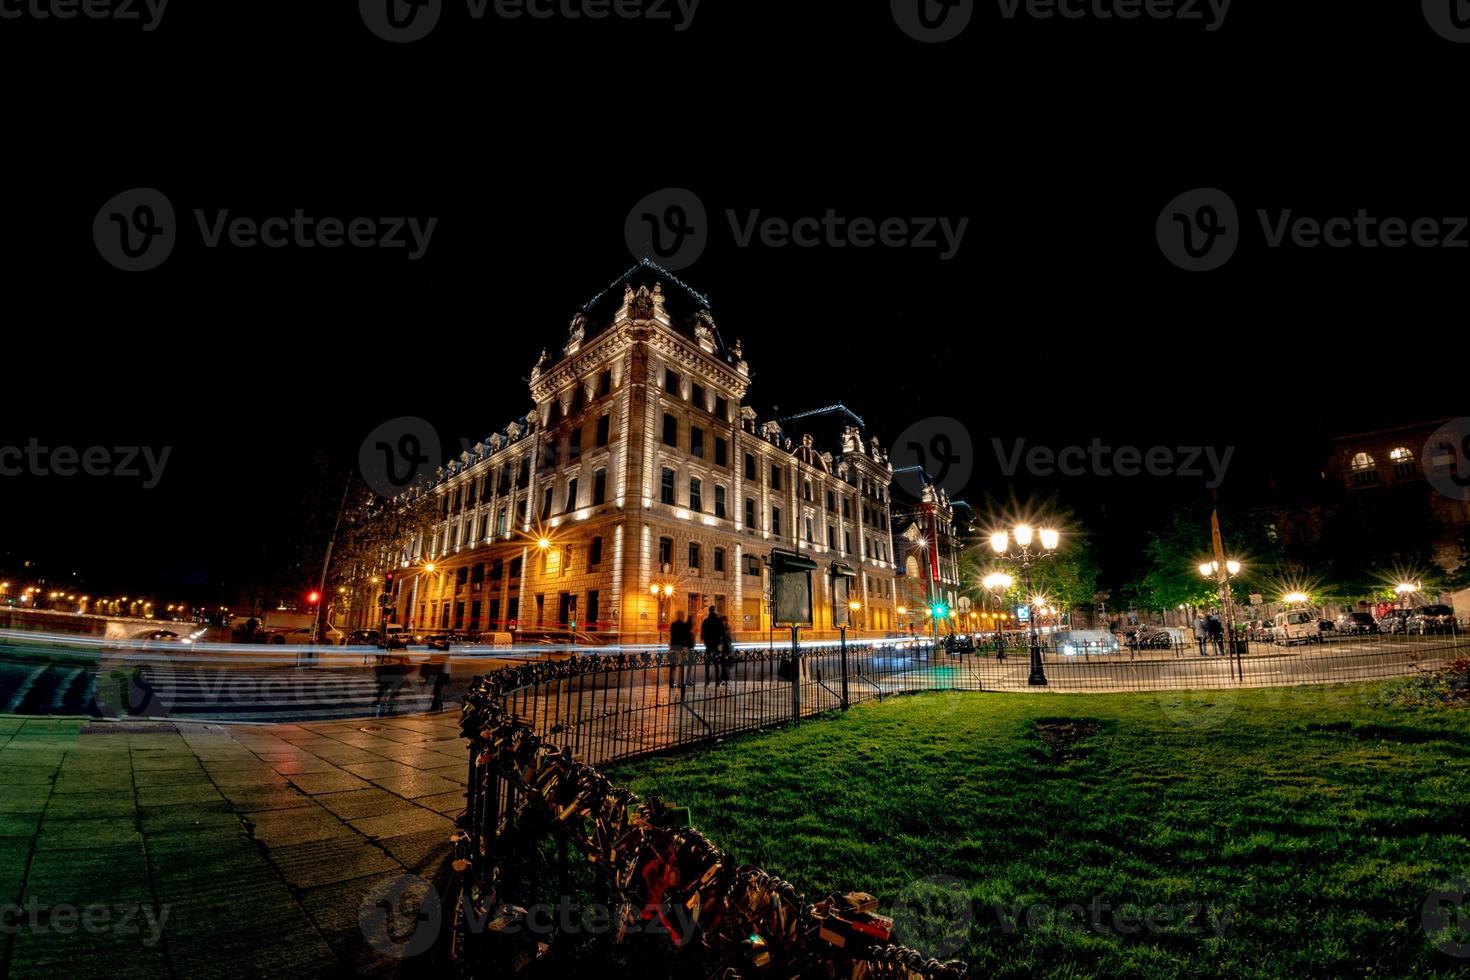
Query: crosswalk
point(265, 694)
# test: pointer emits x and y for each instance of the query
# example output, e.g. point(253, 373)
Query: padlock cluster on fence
point(661, 882)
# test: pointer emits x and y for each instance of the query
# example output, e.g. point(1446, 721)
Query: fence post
point(795, 675)
point(843, 634)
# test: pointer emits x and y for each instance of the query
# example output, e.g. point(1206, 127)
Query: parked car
point(438, 641)
point(361, 638)
point(1431, 619)
point(1357, 622)
point(303, 634)
point(396, 638)
point(1393, 621)
point(1326, 626)
point(1258, 630)
point(1299, 626)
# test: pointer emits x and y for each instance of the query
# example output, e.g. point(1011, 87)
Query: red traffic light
point(313, 597)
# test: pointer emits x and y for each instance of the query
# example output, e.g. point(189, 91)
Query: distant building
point(640, 470)
point(1383, 477)
point(929, 546)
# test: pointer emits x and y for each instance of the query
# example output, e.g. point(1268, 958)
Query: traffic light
point(312, 598)
point(939, 610)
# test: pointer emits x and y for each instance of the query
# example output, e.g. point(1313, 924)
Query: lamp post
point(998, 583)
point(662, 592)
point(1222, 573)
point(1023, 555)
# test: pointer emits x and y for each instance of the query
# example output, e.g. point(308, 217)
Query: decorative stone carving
point(771, 430)
point(495, 442)
point(541, 365)
point(513, 431)
point(852, 440)
point(576, 334)
point(704, 330)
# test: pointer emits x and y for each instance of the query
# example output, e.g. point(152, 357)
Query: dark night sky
point(1059, 320)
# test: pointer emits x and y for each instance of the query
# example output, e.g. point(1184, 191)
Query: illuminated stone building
point(641, 468)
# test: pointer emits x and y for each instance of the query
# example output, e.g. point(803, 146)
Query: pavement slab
point(249, 848)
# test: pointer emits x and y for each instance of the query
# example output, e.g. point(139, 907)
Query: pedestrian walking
point(712, 633)
point(681, 642)
point(1201, 632)
point(435, 672)
point(1217, 635)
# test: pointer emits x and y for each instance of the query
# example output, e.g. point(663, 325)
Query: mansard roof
point(688, 310)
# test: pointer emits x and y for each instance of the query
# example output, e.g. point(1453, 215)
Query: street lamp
point(1222, 576)
point(1000, 544)
point(998, 584)
point(662, 592)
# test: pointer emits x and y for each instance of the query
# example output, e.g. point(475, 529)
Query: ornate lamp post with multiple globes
point(998, 584)
point(1000, 543)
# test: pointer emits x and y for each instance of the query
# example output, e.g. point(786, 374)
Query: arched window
point(1365, 469)
point(1403, 461)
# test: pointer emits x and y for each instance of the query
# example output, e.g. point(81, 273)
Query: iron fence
point(605, 707)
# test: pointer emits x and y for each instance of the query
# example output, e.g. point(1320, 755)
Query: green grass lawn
point(1277, 832)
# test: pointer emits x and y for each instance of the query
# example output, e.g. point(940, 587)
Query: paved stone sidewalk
point(252, 846)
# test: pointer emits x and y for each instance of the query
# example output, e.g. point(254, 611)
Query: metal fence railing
point(609, 706)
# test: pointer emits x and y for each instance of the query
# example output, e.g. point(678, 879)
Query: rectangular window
point(847, 541)
point(808, 530)
point(696, 495)
point(694, 554)
point(722, 452)
point(515, 567)
point(831, 537)
point(592, 607)
point(469, 494)
point(720, 502)
point(749, 512)
point(574, 445)
point(671, 382)
point(521, 510)
point(546, 503)
point(541, 609)
point(696, 441)
point(551, 452)
point(696, 395)
point(603, 424)
point(806, 490)
point(831, 500)
point(722, 409)
point(497, 569)
point(671, 431)
point(523, 478)
point(750, 467)
point(477, 578)
point(604, 384)
point(667, 487)
point(594, 552)
point(494, 622)
point(513, 610)
point(665, 551)
point(775, 520)
point(719, 559)
point(599, 487)
point(846, 508)
point(459, 615)
point(752, 565)
point(775, 477)
point(572, 494)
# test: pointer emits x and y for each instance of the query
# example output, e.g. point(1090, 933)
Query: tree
point(1176, 550)
point(1068, 578)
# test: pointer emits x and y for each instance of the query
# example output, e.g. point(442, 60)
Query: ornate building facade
point(928, 549)
point(640, 486)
